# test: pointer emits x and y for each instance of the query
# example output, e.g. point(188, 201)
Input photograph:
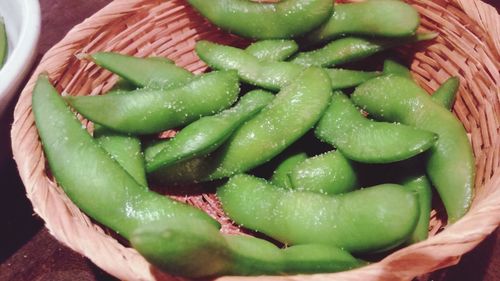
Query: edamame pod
point(422, 187)
point(367, 141)
point(344, 78)
point(373, 18)
point(206, 134)
point(197, 251)
point(273, 50)
point(285, 19)
point(393, 67)
point(367, 220)
point(144, 72)
point(446, 93)
point(3, 42)
point(124, 149)
point(330, 173)
point(281, 176)
point(147, 111)
point(351, 49)
point(450, 165)
point(411, 174)
point(98, 185)
point(315, 258)
point(268, 74)
point(295, 109)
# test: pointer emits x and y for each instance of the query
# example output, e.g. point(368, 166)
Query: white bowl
point(22, 21)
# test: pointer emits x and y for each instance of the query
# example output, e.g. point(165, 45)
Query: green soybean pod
point(393, 67)
point(255, 256)
point(345, 78)
point(201, 251)
point(295, 109)
point(144, 72)
point(271, 75)
point(368, 141)
point(3, 42)
point(281, 176)
point(98, 185)
point(351, 49)
point(374, 18)
point(285, 19)
point(147, 111)
point(330, 173)
point(422, 187)
point(124, 149)
point(367, 220)
point(450, 165)
point(316, 258)
point(273, 50)
point(342, 51)
point(205, 134)
point(266, 74)
point(446, 93)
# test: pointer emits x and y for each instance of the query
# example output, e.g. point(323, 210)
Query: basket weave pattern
point(468, 47)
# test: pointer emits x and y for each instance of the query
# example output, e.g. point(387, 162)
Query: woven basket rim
point(481, 220)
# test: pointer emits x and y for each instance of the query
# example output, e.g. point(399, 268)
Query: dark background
point(28, 251)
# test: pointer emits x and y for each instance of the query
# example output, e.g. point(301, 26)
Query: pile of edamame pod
point(320, 208)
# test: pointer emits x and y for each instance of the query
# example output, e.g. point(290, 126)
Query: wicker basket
point(468, 47)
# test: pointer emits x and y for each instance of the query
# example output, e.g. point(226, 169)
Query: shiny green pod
point(201, 251)
point(422, 187)
point(329, 173)
point(351, 49)
point(266, 74)
point(205, 134)
point(151, 72)
point(450, 165)
point(273, 50)
point(384, 18)
point(446, 93)
point(97, 184)
point(410, 174)
point(368, 141)
point(147, 111)
point(367, 220)
point(294, 110)
point(3, 43)
point(271, 75)
point(345, 78)
point(342, 51)
point(281, 176)
point(281, 20)
point(124, 149)
point(393, 67)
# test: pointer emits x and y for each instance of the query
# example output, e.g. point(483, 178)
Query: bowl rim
point(19, 61)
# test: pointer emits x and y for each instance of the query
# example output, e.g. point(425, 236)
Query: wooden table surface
point(28, 252)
